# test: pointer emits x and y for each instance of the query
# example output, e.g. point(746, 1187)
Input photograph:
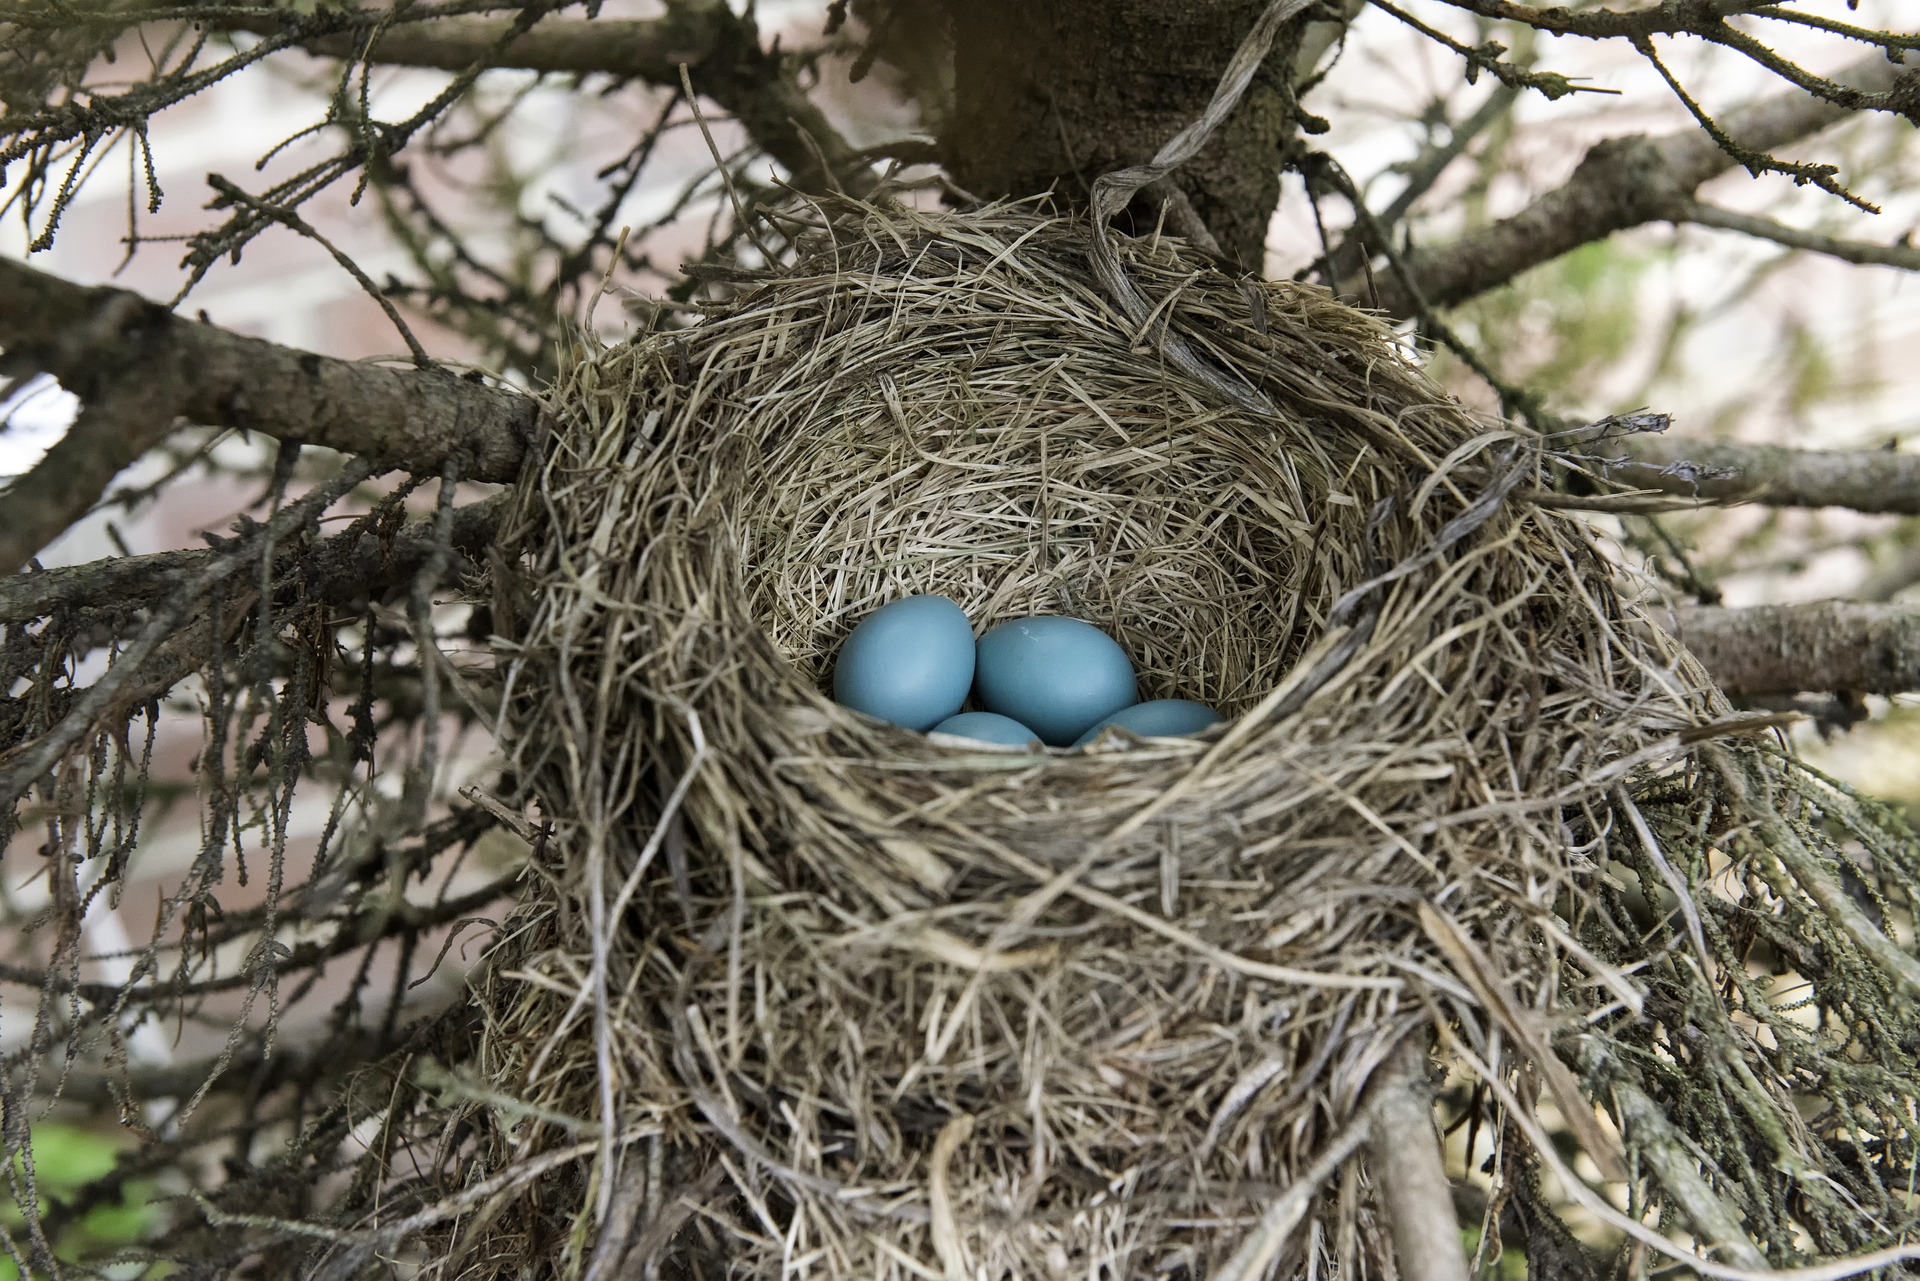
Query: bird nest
point(793, 993)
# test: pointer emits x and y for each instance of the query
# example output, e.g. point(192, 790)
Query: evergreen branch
point(1669, 18)
point(1884, 39)
point(1486, 57)
point(343, 569)
point(1867, 480)
point(1758, 161)
point(374, 924)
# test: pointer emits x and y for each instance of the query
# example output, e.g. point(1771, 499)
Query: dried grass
point(841, 1001)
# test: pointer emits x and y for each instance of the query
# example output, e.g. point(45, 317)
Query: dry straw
point(831, 999)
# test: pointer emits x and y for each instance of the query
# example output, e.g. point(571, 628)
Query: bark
point(1867, 480)
point(1404, 1158)
point(137, 367)
point(1049, 96)
point(1785, 649)
point(1620, 183)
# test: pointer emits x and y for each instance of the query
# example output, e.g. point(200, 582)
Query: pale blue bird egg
point(987, 727)
point(1058, 675)
point(1160, 718)
point(909, 663)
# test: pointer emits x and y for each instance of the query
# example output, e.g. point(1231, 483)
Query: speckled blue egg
point(1058, 675)
point(1160, 718)
point(909, 663)
point(987, 727)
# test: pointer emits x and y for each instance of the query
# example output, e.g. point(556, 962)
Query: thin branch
point(1840, 645)
point(1426, 168)
point(1486, 57)
point(1906, 257)
point(387, 920)
point(722, 51)
point(1703, 18)
point(1621, 183)
point(94, 339)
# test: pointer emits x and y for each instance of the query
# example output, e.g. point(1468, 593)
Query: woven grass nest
point(826, 998)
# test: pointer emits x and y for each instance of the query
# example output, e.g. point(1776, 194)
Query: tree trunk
point(1050, 94)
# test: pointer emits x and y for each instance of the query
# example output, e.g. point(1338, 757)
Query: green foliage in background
point(66, 1158)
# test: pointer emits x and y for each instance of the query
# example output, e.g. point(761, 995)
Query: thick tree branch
point(137, 367)
point(1786, 649)
point(721, 50)
point(1621, 183)
point(1867, 480)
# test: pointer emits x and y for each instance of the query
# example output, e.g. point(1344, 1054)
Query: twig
point(293, 222)
point(1621, 183)
point(1403, 1155)
point(1906, 257)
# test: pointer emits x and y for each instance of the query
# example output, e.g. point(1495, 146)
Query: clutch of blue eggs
point(1057, 680)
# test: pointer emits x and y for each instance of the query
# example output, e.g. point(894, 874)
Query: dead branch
point(1785, 649)
point(1661, 1148)
point(137, 367)
point(721, 50)
point(1621, 183)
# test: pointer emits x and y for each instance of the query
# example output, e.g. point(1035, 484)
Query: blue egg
point(1058, 675)
point(1161, 718)
point(987, 727)
point(909, 663)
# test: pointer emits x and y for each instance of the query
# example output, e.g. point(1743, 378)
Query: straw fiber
point(832, 999)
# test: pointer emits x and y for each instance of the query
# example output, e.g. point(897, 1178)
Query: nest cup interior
point(1180, 531)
